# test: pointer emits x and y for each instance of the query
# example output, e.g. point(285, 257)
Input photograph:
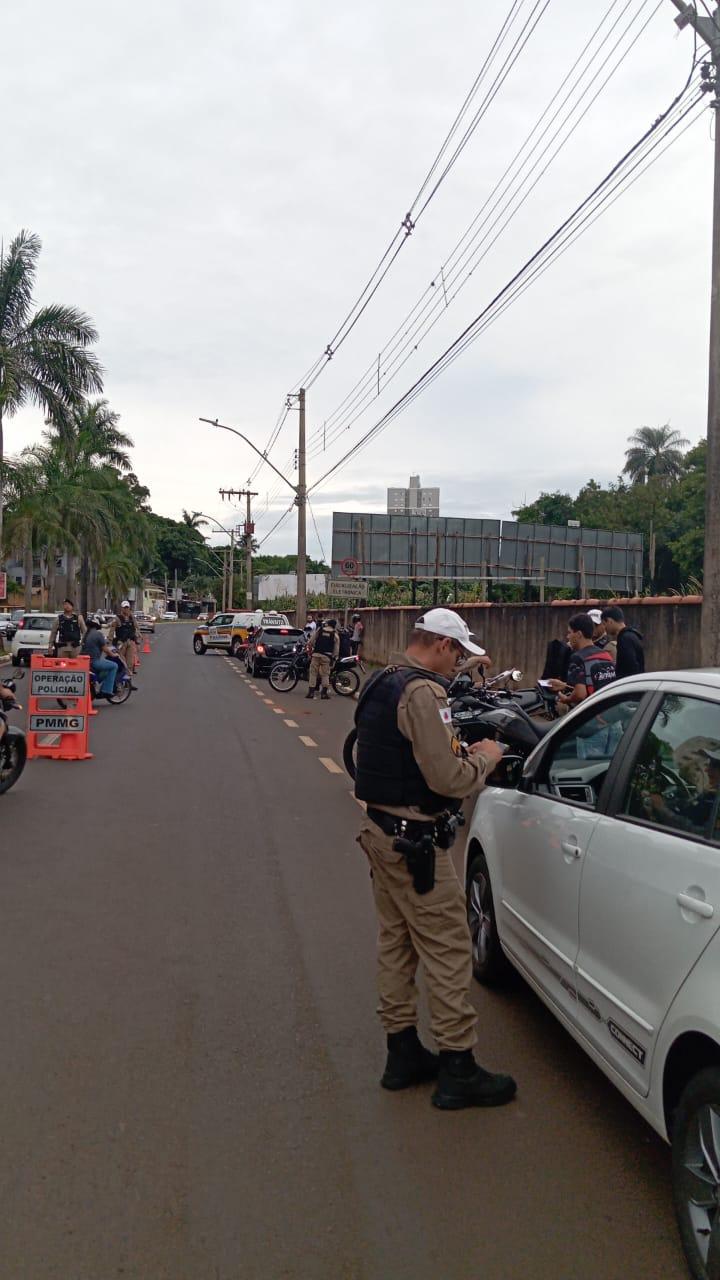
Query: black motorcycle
point(344, 674)
point(13, 747)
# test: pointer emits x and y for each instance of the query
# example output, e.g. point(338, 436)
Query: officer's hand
point(489, 749)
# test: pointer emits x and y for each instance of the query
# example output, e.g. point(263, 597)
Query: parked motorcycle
point(344, 674)
point(13, 747)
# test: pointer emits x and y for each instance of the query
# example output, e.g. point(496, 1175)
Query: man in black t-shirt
point(590, 667)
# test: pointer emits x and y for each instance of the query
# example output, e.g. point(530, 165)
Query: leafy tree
point(549, 508)
point(193, 519)
point(45, 357)
point(686, 503)
point(655, 451)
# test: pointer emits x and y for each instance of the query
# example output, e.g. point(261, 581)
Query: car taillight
point(261, 648)
point(21, 624)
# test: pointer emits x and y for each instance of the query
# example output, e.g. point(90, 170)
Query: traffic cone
point(146, 646)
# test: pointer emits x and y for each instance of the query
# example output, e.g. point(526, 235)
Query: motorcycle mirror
point(516, 675)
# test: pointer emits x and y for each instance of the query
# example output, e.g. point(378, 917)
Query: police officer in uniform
point(124, 633)
point(324, 645)
point(67, 632)
point(412, 773)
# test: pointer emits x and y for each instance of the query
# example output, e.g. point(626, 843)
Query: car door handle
point(700, 908)
point(570, 848)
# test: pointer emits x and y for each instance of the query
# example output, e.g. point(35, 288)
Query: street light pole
point(301, 499)
point(708, 29)
point(248, 555)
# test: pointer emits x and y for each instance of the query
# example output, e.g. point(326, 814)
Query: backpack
point(599, 671)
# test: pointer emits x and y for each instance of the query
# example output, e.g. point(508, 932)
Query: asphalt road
point(190, 1056)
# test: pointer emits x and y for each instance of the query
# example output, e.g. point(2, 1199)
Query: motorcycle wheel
point(283, 677)
point(122, 693)
point(346, 683)
point(13, 754)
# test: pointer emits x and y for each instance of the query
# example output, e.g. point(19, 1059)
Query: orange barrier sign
point(53, 732)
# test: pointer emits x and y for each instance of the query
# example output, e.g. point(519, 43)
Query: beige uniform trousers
point(68, 651)
point(128, 652)
point(320, 670)
point(430, 928)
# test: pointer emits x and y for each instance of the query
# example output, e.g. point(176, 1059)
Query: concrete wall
point(518, 634)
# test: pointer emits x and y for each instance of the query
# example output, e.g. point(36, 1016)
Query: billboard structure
point(369, 545)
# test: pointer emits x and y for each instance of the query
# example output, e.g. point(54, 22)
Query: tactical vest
point(325, 642)
point(68, 631)
point(125, 630)
point(386, 769)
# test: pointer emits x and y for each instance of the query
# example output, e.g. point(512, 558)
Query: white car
point(32, 636)
point(598, 877)
point(169, 616)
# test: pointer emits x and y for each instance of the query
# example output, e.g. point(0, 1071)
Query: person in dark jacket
point(630, 654)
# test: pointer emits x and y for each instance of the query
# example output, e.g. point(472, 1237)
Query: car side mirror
point(508, 773)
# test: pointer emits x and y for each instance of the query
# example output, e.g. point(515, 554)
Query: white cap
point(596, 616)
point(443, 622)
point(125, 604)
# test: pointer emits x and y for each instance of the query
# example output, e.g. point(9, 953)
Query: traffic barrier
point(59, 734)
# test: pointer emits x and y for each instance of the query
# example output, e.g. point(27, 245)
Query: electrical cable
point(365, 390)
point(530, 267)
point(283, 517)
point(409, 222)
point(317, 532)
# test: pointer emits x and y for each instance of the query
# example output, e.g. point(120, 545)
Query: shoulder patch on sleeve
point(445, 715)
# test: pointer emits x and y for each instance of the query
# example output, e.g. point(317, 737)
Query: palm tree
point(193, 519)
point(655, 451)
point(45, 358)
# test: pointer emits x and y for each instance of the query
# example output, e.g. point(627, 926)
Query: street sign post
point(348, 589)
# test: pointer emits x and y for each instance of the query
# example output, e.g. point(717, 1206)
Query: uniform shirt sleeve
point(83, 625)
point(336, 644)
point(53, 632)
point(422, 715)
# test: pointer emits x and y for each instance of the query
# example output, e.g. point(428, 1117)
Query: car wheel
point(198, 645)
point(235, 648)
point(490, 965)
point(696, 1173)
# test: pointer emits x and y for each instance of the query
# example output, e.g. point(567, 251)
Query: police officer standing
point(125, 634)
point(412, 774)
point(67, 632)
point(324, 645)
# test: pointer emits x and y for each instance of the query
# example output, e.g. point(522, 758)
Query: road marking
point(269, 701)
point(291, 724)
point(330, 765)
point(308, 742)
point(278, 711)
point(362, 803)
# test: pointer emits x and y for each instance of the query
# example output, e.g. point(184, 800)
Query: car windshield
point(275, 634)
point(39, 622)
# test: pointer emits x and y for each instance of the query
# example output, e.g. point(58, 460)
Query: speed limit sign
point(349, 567)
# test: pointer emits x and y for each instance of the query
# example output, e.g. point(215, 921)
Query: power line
point(317, 532)
point(434, 302)
point(408, 223)
point(529, 268)
point(283, 517)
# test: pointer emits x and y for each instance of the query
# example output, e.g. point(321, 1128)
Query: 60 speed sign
point(349, 567)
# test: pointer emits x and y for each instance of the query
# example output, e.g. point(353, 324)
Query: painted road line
point(362, 803)
point(308, 742)
point(330, 765)
point(269, 702)
point(291, 724)
point(278, 711)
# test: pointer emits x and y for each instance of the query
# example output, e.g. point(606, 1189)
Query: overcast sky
point(214, 183)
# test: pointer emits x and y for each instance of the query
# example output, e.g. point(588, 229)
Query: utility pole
point(708, 29)
point(231, 586)
point(301, 500)
point(249, 531)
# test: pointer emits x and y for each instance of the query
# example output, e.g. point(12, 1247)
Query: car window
point(675, 782)
point(579, 760)
point(39, 622)
point(221, 620)
point(287, 632)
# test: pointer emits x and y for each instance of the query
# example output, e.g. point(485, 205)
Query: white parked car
point(32, 636)
point(169, 616)
point(598, 878)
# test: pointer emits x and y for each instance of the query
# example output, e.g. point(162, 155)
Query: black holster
point(420, 858)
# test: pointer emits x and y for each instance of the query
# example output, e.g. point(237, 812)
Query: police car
point(596, 873)
point(229, 631)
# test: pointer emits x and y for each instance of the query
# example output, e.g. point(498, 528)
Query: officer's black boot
point(408, 1061)
point(462, 1083)
point(324, 695)
point(310, 693)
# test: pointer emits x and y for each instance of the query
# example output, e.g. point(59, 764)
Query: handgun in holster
point(420, 858)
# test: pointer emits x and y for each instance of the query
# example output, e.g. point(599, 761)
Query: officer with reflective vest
point(324, 645)
point(67, 632)
point(124, 633)
point(412, 773)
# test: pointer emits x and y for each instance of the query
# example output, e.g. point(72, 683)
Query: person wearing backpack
point(630, 652)
point(590, 667)
point(67, 633)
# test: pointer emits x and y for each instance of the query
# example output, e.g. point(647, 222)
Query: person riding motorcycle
point(103, 662)
point(7, 698)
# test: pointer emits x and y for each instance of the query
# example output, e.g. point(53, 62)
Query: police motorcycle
point(493, 710)
point(13, 747)
point(285, 673)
